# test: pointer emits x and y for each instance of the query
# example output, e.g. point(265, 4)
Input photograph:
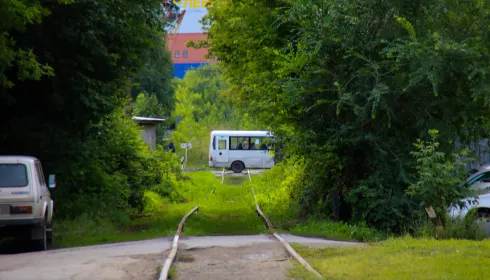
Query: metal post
point(186, 155)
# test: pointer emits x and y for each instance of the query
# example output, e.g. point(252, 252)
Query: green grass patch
point(223, 209)
point(89, 231)
point(172, 273)
point(337, 231)
point(401, 258)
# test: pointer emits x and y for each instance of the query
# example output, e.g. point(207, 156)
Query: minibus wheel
point(237, 166)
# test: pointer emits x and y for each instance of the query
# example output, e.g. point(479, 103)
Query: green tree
point(15, 16)
point(147, 105)
point(156, 75)
point(440, 180)
point(356, 83)
point(202, 106)
point(70, 115)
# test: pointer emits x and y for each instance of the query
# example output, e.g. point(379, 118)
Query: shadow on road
point(10, 246)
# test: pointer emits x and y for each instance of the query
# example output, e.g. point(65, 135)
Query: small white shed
point(150, 128)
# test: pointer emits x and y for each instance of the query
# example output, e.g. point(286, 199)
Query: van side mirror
point(52, 181)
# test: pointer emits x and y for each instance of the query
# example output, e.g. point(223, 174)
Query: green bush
point(113, 173)
point(278, 190)
point(453, 229)
point(439, 178)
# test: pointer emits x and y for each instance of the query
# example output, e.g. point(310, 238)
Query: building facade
point(183, 57)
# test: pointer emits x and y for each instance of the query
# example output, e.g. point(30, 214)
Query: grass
point(223, 209)
point(277, 194)
point(400, 258)
point(158, 270)
point(337, 231)
point(86, 231)
point(172, 273)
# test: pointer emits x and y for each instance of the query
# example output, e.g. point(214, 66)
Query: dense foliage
point(154, 77)
point(66, 71)
point(350, 86)
point(203, 106)
point(437, 177)
point(16, 16)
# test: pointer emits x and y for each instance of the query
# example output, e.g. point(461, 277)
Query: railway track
point(168, 262)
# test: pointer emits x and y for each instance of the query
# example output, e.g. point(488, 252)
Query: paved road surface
point(140, 259)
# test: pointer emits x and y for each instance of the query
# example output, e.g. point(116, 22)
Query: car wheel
point(50, 235)
point(237, 166)
point(43, 242)
point(482, 218)
point(40, 236)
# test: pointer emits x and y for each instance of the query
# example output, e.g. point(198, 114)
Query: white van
point(240, 149)
point(26, 207)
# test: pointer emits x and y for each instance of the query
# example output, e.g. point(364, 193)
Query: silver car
point(479, 182)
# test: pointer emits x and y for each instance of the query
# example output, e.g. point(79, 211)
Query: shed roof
point(148, 120)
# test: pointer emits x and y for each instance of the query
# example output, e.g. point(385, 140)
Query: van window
point(484, 178)
point(221, 144)
point(13, 176)
point(268, 143)
point(256, 143)
point(214, 142)
point(240, 143)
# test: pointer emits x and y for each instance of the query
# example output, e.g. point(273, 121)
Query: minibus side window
point(214, 142)
point(256, 143)
point(268, 143)
point(234, 143)
point(239, 143)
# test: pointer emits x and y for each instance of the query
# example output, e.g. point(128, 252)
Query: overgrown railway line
point(164, 275)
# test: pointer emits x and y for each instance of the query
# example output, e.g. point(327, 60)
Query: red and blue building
point(183, 18)
point(185, 58)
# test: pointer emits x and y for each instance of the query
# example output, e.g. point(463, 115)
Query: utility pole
point(186, 155)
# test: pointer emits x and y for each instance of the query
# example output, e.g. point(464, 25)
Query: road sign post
point(185, 146)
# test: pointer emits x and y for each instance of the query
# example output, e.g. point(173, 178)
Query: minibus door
point(222, 149)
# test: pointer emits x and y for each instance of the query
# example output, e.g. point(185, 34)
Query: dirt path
point(264, 261)
point(203, 257)
point(240, 257)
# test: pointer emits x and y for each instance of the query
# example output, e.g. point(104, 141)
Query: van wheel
point(482, 218)
point(49, 235)
point(237, 166)
point(43, 236)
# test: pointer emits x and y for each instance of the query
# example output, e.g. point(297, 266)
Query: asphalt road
point(141, 259)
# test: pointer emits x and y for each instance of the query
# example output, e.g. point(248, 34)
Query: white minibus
point(240, 149)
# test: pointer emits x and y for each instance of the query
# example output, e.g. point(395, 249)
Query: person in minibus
point(245, 144)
